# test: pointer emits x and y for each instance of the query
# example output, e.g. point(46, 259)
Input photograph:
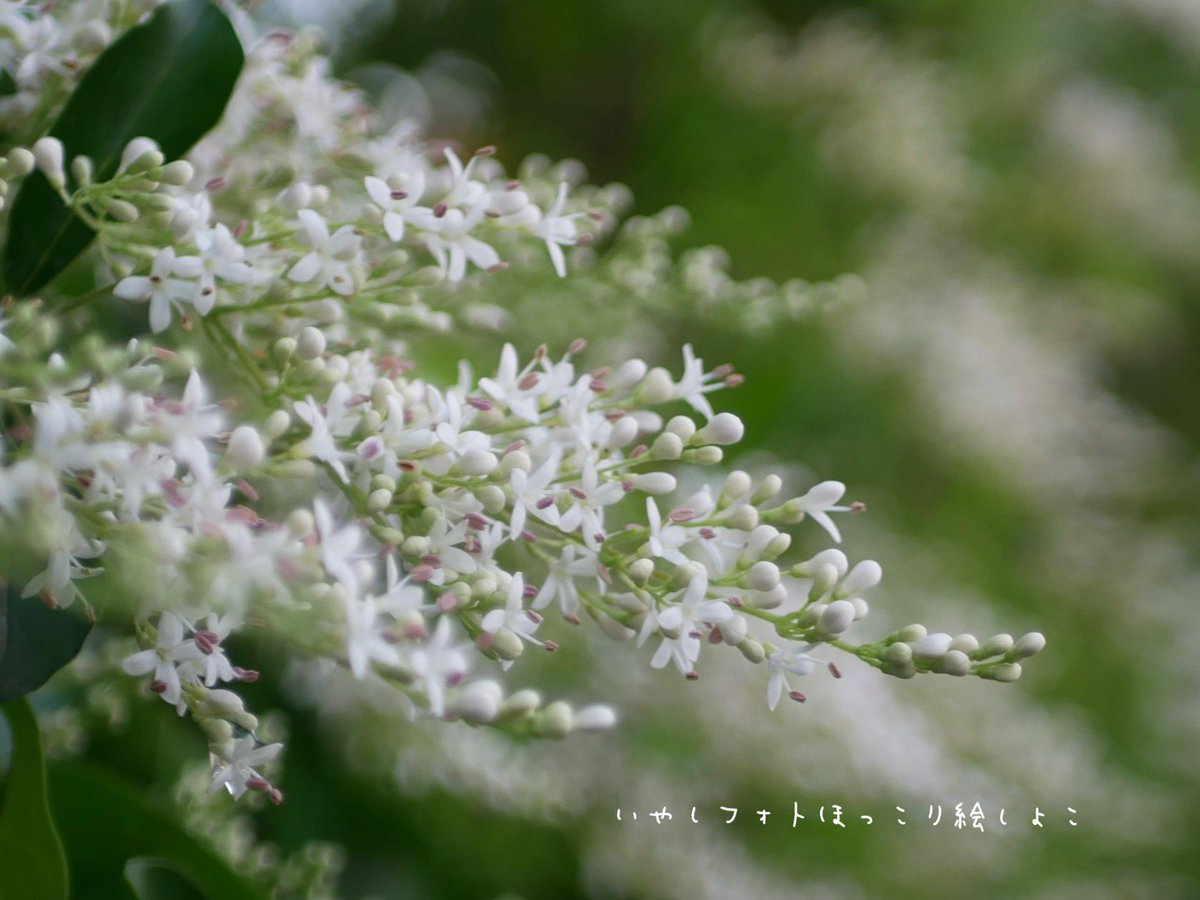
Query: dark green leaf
point(157, 879)
point(35, 641)
point(34, 864)
point(167, 79)
point(133, 826)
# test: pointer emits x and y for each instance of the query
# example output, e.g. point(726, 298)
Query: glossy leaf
point(111, 861)
point(34, 864)
point(167, 79)
point(35, 641)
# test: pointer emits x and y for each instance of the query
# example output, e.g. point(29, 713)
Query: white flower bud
point(767, 488)
point(733, 630)
point(653, 482)
point(771, 599)
point(682, 427)
point(121, 211)
point(667, 446)
point(507, 644)
point(310, 343)
point(824, 579)
point(140, 155)
point(752, 650)
point(478, 701)
point(996, 645)
point(379, 500)
point(640, 570)
point(658, 387)
point(837, 617)
point(522, 703)
point(777, 546)
point(596, 717)
point(898, 654)
point(863, 576)
point(492, 497)
point(277, 424)
point(955, 662)
point(624, 430)
point(627, 374)
point(81, 170)
point(300, 523)
point(725, 428)
point(48, 153)
point(1029, 645)
point(737, 485)
point(178, 173)
point(743, 518)
point(19, 162)
point(763, 576)
point(861, 608)
point(477, 461)
point(295, 198)
point(556, 720)
point(1006, 672)
point(517, 459)
point(93, 37)
point(965, 643)
point(911, 633)
point(245, 449)
point(931, 646)
point(704, 456)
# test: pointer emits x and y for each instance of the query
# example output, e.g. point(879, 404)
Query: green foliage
point(27, 831)
point(168, 79)
point(35, 642)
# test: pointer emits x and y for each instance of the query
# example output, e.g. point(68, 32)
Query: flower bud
point(863, 576)
point(379, 500)
point(763, 576)
point(139, 155)
point(245, 449)
point(910, 633)
point(836, 617)
point(996, 645)
point(724, 429)
point(507, 644)
point(898, 654)
point(555, 721)
point(492, 497)
point(667, 446)
point(965, 643)
point(81, 170)
point(310, 343)
point(777, 546)
point(767, 488)
point(653, 482)
point(1028, 645)
point(596, 717)
point(931, 646)
point(704, 456)
point(178, 173)
point(752, 650)
point(641, 569)
point(955, 662)
point(300, 523)
point(627, 374)
point(743, 518)
point(19, 162)
point(624, 430)
point(733, 630)
point(522, 703)
point(48, 153)
point(1005, 672)
point(277, 424)
point(737, 485)
point(682, 427)
point(476, 461)
point(478, 701)
point(657, 387)
point(771, 599)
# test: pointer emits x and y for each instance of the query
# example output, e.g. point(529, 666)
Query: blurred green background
point(1015, 400)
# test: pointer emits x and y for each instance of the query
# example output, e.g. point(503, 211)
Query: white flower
point(558, 230)
point(327, 424)
point(695, 383)
point(685, 620)
point(213, 665)
point(794, 659)
point(586, 513)
point(448, 237)
point(236, 771)
point(367, 640)
point(665, 537)
point(531, 495)
point(163, 659)
point(511, 389)
point(396, 203)
point(819, 502)
point(331, 257)
point(162, 291)
point(221, 256)
point(574, 562)
point(439, 665)
point(339, 546)
point(514, 616)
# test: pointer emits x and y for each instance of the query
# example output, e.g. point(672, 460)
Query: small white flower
point(161, 290)
point(331, 257)
point(686, 619)
point(439, 665)
point(794, 659)
point(237, 770)
point(164, 657)
point(367, 640)
point(695, 383)
point(821, 500)
point(396, 203)
point(558, 230)
point(221, 256)
point(574, 562)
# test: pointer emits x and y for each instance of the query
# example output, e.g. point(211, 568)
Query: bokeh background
point(1014, 395)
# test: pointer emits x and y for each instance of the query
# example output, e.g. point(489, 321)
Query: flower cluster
point(339, 500)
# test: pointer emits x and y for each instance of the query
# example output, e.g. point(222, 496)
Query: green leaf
point(133, 828)
point(167, 79)
point(34, 864)
point(35, 642)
